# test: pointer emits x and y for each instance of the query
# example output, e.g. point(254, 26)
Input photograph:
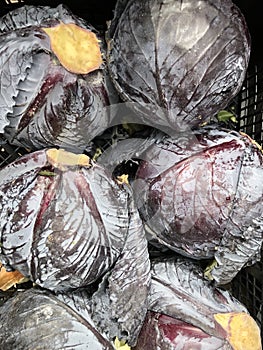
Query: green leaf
point(225, 116)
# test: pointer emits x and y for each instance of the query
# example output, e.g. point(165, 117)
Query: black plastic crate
point(250, 104)
point(248, 288)
point(248, 284)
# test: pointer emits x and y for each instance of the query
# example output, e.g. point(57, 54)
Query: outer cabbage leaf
point(200, 194)
point(180, 290)
point(55, 223)
point(180, 61)
point(20, 58)
point(120, 304)
point(67, 112)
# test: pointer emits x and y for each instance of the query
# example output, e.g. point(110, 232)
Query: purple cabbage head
point(41, 102)
point(200, 194)
point(179, 61)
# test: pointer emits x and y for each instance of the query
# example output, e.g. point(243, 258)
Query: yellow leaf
point(62, 159)
point(76, 48)
point(209, 269)
point(242, 330)
point(9, 279)
point(123, 179)
point(121, 345)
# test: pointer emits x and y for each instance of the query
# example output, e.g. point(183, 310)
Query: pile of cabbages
point(133, 207)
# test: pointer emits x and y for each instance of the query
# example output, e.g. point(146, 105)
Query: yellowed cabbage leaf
point(61, 159)
point(9, 279)
point(120, 345)
point(76, 48)
point(242, 330)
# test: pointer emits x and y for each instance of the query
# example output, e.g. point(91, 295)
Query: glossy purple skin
point(179, 62)
point(201, 195)
point(41, 103)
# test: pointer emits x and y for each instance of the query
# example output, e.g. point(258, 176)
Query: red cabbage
point(179, 62)
point(65, 223)
point(200, 194)
point(41, 102)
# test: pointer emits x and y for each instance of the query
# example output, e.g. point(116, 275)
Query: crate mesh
point(247, 287)
point(250, 104)
point(248, 284)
